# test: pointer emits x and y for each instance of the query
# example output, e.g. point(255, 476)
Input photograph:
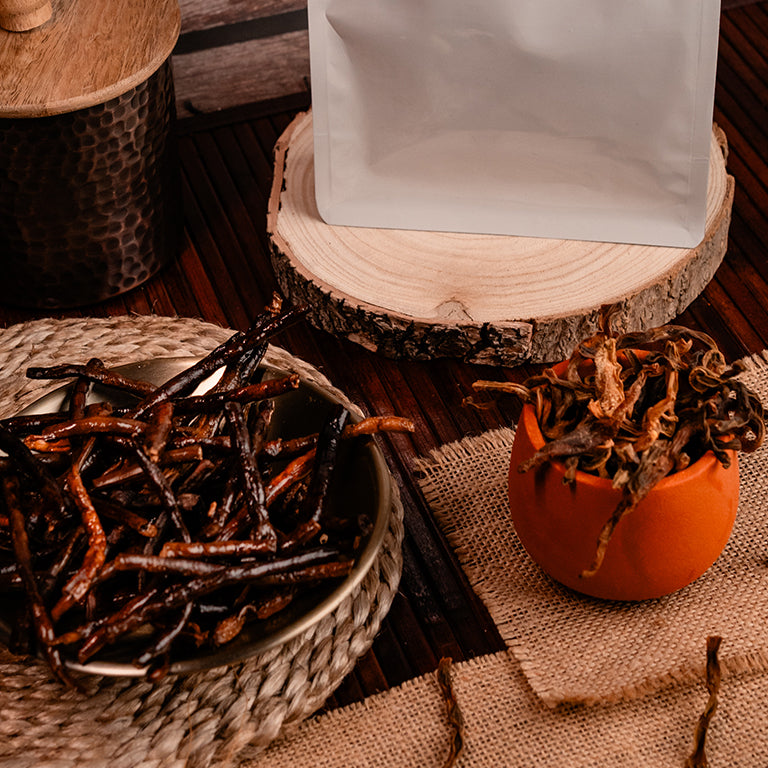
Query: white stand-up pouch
point(572, 119)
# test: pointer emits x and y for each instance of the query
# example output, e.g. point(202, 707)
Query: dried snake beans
point(173, 523)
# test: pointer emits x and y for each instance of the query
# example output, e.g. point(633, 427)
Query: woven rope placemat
point(206, 718)
point(578, 649)
point(508, 726)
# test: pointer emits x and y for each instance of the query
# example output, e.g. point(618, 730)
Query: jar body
point(90, 200)
point(670, 539)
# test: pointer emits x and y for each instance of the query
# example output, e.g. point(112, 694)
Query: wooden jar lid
point(87, 53)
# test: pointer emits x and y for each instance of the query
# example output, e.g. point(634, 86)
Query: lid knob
point(22, 15)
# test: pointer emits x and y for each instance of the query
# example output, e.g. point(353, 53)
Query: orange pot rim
point(704, 464)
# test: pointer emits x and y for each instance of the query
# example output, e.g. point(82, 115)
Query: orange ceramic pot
point(670, 539)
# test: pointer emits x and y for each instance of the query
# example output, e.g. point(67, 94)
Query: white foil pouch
point(573, 119)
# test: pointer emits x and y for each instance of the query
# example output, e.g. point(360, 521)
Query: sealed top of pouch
point(544, 118)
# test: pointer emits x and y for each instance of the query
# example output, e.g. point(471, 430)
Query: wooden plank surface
point(204, 14)
point(223, 275)
point(239, 52)
point(256, 70)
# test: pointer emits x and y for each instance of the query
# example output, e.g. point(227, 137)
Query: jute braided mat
point(578, 649)
point(207, 718)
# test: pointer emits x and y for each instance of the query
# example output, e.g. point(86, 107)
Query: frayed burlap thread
point(193, 721)
point(578, 649)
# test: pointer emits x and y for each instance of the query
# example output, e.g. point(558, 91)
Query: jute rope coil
point(202, 719)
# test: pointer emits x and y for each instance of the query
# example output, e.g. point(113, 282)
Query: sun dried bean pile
point(639, 406)
point(175, 520)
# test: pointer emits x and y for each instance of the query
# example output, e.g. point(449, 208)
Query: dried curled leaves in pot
point(637, 407)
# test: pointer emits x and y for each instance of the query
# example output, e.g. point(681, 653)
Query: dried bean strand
point(314, 564)
point(41, 619)
point(101, 375)
point(253, 486)
point(79, 583)
point(229, 350)
point(214, 401)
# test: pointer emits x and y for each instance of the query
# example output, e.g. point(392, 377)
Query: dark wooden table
point(223, 275)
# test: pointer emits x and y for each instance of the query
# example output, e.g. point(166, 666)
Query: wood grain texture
point(22, 15)
point(89, 52)
point(253, 71)
point(203, 14)
point(481, 298)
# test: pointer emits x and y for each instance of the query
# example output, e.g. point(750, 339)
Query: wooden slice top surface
point(463, 278)
point(88, 52)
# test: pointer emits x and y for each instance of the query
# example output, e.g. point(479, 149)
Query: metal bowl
point(361, 484)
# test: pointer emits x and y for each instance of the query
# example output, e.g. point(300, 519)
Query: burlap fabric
point(508, 726)
point(577, 649)
point(207, 718)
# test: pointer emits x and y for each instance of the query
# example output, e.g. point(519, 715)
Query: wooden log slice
point(482, 298)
